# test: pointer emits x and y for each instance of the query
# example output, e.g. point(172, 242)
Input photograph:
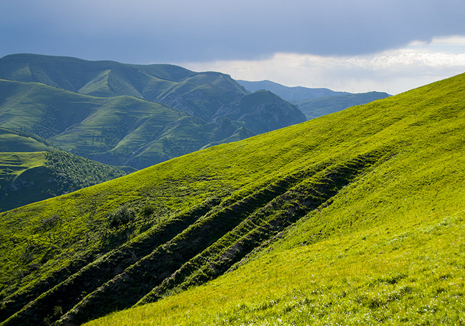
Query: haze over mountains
point(315, 102)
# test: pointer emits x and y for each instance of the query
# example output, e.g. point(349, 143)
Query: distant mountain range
point(315, 102)
point(289, 93)
point(132, 115)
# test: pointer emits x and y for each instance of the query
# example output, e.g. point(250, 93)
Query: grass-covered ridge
point(355, 217)
point(135, 115)
point(201, 94)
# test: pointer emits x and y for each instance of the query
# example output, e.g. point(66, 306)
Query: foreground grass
point(389, 248)
point(382, 275)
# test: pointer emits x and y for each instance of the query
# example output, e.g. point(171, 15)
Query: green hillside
point(352, 218)
point(31, 170)
point(321, 106)
point(200, 94)
point(135, 115)
point(119, 130)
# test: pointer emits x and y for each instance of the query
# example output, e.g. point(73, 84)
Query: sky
point(348, 45)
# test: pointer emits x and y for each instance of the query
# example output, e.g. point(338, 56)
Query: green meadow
point(355, 217)
point(388, 248)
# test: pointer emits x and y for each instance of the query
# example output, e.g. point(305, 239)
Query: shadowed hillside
point(32, 170)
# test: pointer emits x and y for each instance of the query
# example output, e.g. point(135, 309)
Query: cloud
point(392, 71)
point(353, 45)
point(142, 31)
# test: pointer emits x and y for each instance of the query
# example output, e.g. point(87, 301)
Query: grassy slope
point(388, 249)
point(31, 170)
point(318, 107)
point(397, 168)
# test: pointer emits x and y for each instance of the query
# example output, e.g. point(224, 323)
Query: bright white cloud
point(393, 71)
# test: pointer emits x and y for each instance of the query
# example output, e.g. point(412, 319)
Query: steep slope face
point(358, 213)
point(326, 105)
point(31, 170)
point(269, 112)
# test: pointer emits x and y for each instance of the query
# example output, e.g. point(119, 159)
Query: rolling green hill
point(31, 170)
point(200, 94)
point(352, 218)
point(119, 130)
point(135, 115)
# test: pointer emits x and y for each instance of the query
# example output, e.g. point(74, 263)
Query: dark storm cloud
point(173, 31)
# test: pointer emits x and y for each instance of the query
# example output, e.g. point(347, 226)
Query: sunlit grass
point(376, 276)
point(387, 247)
